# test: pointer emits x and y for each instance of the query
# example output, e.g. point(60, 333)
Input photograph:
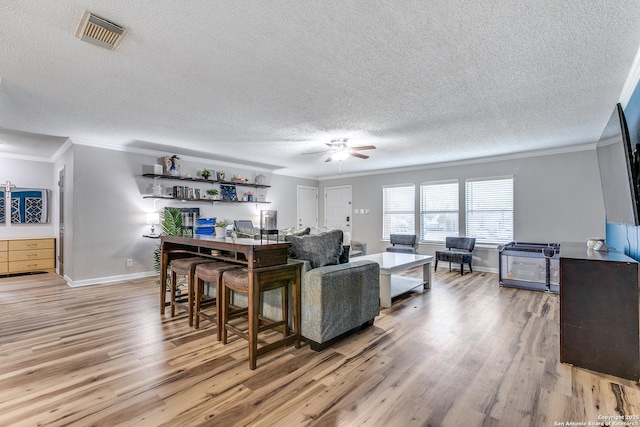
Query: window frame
point(480, 238)
point(409, 212)
point(423, 212)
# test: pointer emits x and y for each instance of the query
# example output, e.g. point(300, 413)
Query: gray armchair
point(358, 248)
point(405, 243)
point(338, 299)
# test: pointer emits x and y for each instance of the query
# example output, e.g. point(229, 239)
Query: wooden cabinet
point(4, 257)
point(27, 255)
point(599, 320)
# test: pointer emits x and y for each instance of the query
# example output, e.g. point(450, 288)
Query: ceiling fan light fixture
point(340, 155)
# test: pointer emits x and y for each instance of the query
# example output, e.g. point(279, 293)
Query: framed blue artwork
point(29, 206)
point(228, 192)
point(2, 209)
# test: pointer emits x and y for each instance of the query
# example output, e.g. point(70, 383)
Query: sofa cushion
point(320, 250)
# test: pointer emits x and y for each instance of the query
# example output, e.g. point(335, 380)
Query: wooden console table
point(599, 311)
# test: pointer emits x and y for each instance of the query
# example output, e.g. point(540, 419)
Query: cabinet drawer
point(4, 267)
point(4, 245)
point(33, 265)
point(29, 244)
point(4, 257)
point(29, 255)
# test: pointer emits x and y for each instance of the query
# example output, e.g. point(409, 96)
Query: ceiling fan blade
point(315, 152)
point(360, 156)
point(363, 147)
point(328, 159)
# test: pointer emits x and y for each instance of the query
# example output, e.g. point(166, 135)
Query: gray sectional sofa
point(337, 298)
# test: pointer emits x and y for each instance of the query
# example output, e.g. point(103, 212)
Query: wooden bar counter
point(253, 254)
point(265, 262)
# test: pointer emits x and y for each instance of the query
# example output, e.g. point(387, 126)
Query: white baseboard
point(108, 279)
point(476, 269)
point(486, 269)
point(123, 277)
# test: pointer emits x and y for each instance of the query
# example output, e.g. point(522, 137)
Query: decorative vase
point(250, 198)
point(157, 189)
point(173, 165)
point(221, 231)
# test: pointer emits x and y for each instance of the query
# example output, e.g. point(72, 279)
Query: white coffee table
point(392, 285)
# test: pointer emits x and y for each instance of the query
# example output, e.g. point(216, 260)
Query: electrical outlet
point(129, 262)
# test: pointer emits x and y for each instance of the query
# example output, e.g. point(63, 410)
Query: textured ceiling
point(265, 81)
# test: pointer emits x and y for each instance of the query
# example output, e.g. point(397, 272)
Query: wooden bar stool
point(253, 283)
point(187, 267)
point(210, 272)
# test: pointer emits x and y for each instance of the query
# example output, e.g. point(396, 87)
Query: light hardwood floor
point(464, 353)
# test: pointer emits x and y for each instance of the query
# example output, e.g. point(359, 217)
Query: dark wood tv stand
point(599, 321)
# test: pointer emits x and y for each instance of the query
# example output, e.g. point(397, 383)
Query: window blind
point(489, 210)
point(439, 210)
point(398, 210)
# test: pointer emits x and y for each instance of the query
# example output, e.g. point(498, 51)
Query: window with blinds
point(398, 210)
point(439, 210)
point(489, 210)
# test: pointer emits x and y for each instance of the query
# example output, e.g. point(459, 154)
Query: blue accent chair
point(459, 250)
point(405, 243)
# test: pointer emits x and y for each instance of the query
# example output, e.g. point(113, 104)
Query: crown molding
point(150, 152)
point(25, 157)
point(479, 160)
point(68, 143)
point(632, 81)
point(157, 153)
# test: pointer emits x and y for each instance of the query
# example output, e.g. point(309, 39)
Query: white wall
point(109, 210)
point(557, 198)
point(31, 174)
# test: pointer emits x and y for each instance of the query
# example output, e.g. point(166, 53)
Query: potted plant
point(205, 174)
point(213, 193)
point(221, 228)
point(171, 223)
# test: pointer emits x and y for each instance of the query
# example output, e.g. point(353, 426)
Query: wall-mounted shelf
point(209, 181)
point(202, 200)
point(180, 193)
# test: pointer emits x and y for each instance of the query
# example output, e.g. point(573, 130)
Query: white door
point(61, 202)
point(337, 208)
point(307, 206)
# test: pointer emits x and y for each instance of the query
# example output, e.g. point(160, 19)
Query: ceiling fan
point(341, 151)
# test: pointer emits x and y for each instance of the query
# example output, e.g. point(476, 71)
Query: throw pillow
point(320, 250)
point(304, 232)
point(344, 256)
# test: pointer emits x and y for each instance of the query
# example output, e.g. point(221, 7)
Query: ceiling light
point(340, 155)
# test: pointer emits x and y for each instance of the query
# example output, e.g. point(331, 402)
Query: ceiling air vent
point(99, 31)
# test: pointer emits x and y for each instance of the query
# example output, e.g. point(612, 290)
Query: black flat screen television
point(618, 165)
